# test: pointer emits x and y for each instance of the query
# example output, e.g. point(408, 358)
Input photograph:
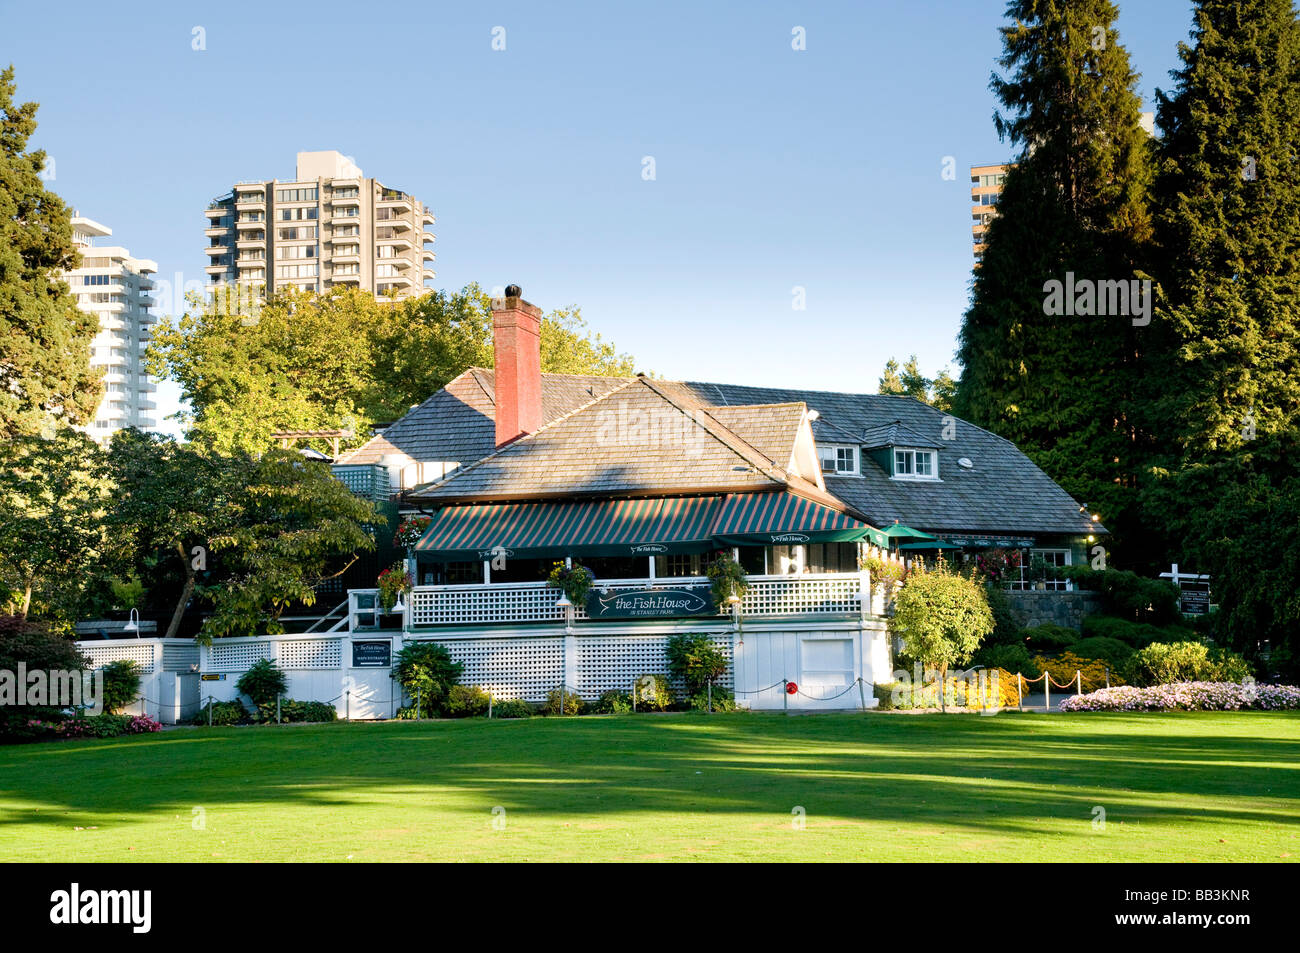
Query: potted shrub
point(393, 582)
point(574, 581)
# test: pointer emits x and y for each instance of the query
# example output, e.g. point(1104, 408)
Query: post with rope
point(1047, 689)
point(785, 695)
point(862, 695)
point(489, 695)
point(1078, 682)
point(1107, 669)
point(209, 711)
point(347, 705)
point(710, 696)
point(1020, 695)
point(277, 708)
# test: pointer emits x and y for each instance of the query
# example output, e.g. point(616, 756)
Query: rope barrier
point(852, 685)
point(761, 690)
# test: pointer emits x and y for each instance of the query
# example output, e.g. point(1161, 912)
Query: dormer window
point(838, 459)
point(915, 465)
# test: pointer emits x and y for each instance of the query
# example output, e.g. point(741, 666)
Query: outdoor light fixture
point(133, 623)
point(563, 602)
point(399, 605)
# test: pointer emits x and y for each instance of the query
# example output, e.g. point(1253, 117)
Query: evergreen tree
point(45, 374)
point(1060, 385)
point(910, 382)
point(1228, 189)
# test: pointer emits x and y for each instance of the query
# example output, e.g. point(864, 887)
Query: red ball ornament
point(791, 688)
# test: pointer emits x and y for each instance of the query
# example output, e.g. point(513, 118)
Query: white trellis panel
point(179, 657)
point(470, 605)
point(520, 667)
point(614, 662)
point(139, 652)
point(309, 653)
point(804, 595)
point(233, 656)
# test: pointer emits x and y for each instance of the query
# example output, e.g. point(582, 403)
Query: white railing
point(809, 594)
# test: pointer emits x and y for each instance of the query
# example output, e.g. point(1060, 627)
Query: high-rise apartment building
point(985, 187)
point(114, 286)
point(330, 226)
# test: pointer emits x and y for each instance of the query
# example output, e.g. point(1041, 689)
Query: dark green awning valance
point(590, 528)
point(784, 519)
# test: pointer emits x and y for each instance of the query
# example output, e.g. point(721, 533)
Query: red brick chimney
point(516, 344)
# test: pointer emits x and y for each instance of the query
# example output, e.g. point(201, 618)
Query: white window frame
point(832, 452)
point(911, 453)
point(1024, 582)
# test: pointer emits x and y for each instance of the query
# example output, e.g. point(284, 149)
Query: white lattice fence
point(614, 662)
point(139, 652)
point(485, 604)
point(235, 656)
point(310, 653)
point(804, 595)
point(522, 667)
point(179, 658)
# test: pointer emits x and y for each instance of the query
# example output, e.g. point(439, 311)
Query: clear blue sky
point(774, 168)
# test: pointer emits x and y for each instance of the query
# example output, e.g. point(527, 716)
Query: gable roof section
point(895, 434)
point(635, 440)
point(772, 429)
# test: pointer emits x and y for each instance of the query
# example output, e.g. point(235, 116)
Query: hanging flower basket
point(392, 582)
point(410, 530)
point(574, 581)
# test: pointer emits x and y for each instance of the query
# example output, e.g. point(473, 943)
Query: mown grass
point(875, 787)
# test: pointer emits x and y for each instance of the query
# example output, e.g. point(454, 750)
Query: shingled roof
point(639, 439)
point(1003, 492)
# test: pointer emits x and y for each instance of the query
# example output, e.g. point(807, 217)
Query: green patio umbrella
point(900, 532)
point(930, 544)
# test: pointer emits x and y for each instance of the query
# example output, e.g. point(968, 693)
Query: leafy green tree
point(45, 374)
point(31, 643)
point(54, 494)
point(910, 382)
point(250, 535)
point(263, 682)
point(121, 684)
point(1061, 386)
point(941, 616)
point(340, 359)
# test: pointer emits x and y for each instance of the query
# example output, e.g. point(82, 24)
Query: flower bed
point(1188, 696)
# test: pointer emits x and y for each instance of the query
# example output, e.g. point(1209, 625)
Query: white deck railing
point(809, 594)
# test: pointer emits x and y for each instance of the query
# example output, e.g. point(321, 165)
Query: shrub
point(467, 701)
point(32, 643)
point(723, 700)
point(140, 725)
point(653, 693)
point(296, 711)
point(121, 684)
point(1135, 634)
point(1188, 696)
point(1006, 629)
point(561, 696)
point(512, 708)
point(1126, 594)
point(960, 693)
point(1162, 663)
point(612, 703)
point(92, 726)
point(1011, 658)
point(223, 713)
point(696, 660)
point(941, 617)
point(426, 673)
point(262, 682)
point(1062, 669)
point(1049, 638)
point(1114, 651)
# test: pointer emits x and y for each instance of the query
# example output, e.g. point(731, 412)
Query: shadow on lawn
point(1001, 774)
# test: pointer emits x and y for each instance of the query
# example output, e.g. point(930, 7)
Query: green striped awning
point(578, 528)
point(781, 519)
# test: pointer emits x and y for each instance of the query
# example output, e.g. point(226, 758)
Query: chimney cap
point(514, 291)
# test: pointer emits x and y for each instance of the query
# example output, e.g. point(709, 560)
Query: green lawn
point(1175, 787)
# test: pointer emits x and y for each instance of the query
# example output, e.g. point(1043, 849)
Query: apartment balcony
point(251, 198)
point(258, 223)
point(250, 262)
point(245, 241)
point(397, 244)
point(427, 254)
point(427, 218)
point(397, 201)
point(350, 201)
point(216, 270)
point(339, 218)
point(345, 279)
point(221, 249)
point(217, 211)
point(403, 280)
point(352, 183)
point(346, 259)
point(396, 224)
point(217, 230)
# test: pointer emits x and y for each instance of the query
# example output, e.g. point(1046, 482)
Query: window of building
point(342, 231)
point(915, 465)
point(300, 214)
point(342, 250)
point(297, 251)
point(297, 233)
point(1033, 572)
point(838, 459)
point(350, 269)
point(295, 271)
point(296, 195)
point(348, 192)
point(385, 271)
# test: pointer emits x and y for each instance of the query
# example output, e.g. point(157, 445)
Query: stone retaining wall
point(1067, 609)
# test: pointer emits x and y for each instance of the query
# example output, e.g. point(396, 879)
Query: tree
point(340, 359)
point(31, 643)
point(171, 500)
point(1060, 385)
point(249, 535)
point(941, 617)
point(45, 374)
point(910, 382)
point(54, 494)
point(1229, 231)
